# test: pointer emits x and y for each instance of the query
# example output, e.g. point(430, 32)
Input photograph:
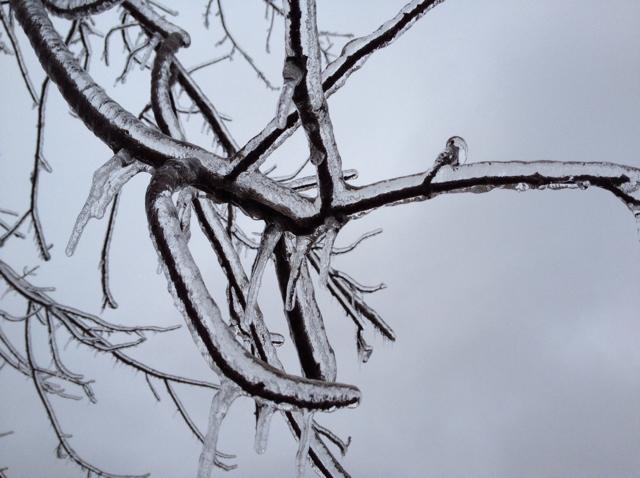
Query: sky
point(516, 313)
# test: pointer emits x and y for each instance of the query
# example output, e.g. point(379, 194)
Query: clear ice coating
point(276, 339)
point(303, 443)
point(107, 182)
point(270, 238)
point(248, 372)
point(263, 422)
point(325, 254)
point(184, 203)
point(285, 102)
point(364, 349)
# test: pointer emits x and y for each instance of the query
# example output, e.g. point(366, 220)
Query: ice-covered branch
point(87, 328)
point(64, 448)
point(106, 118)
point(161, 100)
point(215, 340)
point(234, 43)
point(107, 296)
point(306, 325)
point(321, 458)
point(8, 27)
point(303, 78)
point(354, 55)
point(622, 181)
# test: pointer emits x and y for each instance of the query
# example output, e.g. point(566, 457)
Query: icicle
point(263, 421)
point(221, 402)
point(292, 75)
point(303, 443)
point(301, 248)
point(270, 238)
point(107, 182)
point(325, 254)
point(284, 104)
point(364, 349)
point(61, 453)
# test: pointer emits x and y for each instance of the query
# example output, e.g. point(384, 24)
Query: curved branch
point(203, 316)
point(322, 459)
point(116, 126)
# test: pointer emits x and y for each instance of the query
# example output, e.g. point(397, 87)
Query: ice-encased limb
point(353, 56)
point(303, 443)
point(360, 49)
point(306, 325)
point(220, 404)
point(161, 81)
point(264, 413)
point(356, 286)
point(101, 114)
point(353, 304)
point(357, 242)
point(214, 338)
point(270, 237)
point(302, 246)
point(482, 177)
point(291, 74)
point(342, 445)
point(107, 182)
point(216, 232)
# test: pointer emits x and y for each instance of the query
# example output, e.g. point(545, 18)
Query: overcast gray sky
point(517, 314)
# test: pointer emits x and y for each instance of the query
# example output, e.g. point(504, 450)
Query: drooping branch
point(306, 326)
point(201, 313)
point(214, 230)
point(64, 448)
point(87, 327)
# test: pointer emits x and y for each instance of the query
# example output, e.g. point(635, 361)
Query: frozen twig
point(235, 45)
point(8, 28)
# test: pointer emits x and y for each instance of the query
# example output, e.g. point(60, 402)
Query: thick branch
point(622, 181)
point(214, 338)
